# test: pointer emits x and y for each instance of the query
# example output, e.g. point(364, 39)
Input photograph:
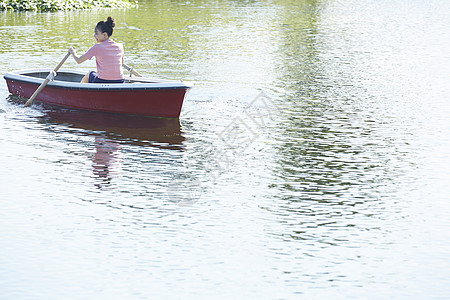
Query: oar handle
point(62, 62)
point(41, 87)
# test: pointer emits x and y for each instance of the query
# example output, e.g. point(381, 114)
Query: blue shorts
point(93, 78)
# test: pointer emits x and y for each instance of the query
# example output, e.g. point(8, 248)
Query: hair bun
point(111, 22)
point(106, 26)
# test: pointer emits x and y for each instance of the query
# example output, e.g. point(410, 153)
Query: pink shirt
point(109, 58)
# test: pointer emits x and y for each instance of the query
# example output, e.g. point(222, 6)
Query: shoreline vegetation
point(58, 5)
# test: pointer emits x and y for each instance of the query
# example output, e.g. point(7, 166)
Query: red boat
point(137, 96)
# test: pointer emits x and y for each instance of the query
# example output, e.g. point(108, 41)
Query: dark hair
point(106, 26)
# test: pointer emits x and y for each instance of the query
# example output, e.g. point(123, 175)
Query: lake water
point(310, 160)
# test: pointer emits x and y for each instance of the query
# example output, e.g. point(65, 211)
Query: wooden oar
point(50, 76)
point(130, 69)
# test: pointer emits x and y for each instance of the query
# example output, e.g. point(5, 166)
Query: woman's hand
point(72, 51)
point(78, 59)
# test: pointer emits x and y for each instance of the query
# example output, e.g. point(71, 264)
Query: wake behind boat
point(137, 96)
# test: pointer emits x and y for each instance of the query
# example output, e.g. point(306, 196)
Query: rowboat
point(137, 96)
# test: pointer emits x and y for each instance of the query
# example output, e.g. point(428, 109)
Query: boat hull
point(160, 99)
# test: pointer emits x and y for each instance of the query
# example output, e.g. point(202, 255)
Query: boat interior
point(61, 76)
point(76, 77)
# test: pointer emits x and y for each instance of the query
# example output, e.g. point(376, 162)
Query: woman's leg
point(85, 78)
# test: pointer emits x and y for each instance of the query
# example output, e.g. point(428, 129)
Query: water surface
point(309, 161)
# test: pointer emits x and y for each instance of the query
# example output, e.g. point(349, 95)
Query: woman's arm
point(78, 59)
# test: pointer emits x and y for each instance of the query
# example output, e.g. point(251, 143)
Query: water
point(310, 160)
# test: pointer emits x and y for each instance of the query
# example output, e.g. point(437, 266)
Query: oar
point(130, 69)
point(50, 76)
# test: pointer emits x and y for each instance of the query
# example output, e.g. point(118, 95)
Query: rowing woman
point(108, 56)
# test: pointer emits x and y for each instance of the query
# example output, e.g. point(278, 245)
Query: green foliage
point(54, 5)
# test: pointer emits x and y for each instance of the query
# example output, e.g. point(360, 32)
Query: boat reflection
point(163, 133)
point(113, 135)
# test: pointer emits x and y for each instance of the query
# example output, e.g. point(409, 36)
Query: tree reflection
point(334, 157)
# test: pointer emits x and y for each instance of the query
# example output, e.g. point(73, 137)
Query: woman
point(108, 55)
